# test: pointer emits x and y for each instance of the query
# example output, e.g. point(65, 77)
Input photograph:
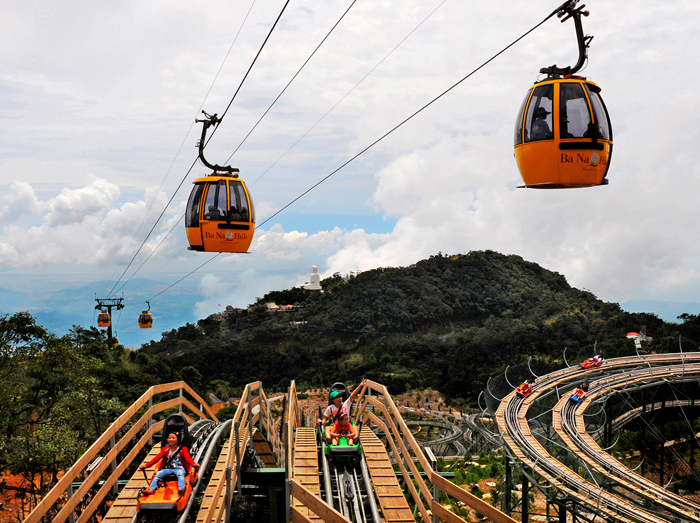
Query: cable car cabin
point(563, 137)
point(220, 216)
point(145, 320)
point(103, 319)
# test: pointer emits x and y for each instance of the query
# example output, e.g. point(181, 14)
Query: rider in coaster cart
point(525, 388)
point(580, 393)
point(174, 459)
point(595, 361)
point(343, 428)
point(337, 408)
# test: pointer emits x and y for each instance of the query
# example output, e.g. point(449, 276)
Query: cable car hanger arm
point(565, 11)
point(212, 120)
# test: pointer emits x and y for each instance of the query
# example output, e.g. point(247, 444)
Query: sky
point(98, 102)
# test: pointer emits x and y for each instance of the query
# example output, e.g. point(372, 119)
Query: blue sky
point(98, 102)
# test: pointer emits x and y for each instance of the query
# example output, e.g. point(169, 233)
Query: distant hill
point(666, 310)
point(448, 322)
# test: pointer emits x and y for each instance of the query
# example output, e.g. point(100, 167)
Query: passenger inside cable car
point(563, 136)
point(540, 129)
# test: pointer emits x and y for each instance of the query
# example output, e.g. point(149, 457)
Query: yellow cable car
point(145, 318)
point(220, 216)
point(103, 319)
point(563, 137)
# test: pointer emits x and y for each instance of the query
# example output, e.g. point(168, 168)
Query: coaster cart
point(342, 450)
point(579, 393)
point(165, 502)
point(346, 477)
point(524, 389)
point(592, 363)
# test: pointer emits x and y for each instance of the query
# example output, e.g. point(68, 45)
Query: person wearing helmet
point(337, 407)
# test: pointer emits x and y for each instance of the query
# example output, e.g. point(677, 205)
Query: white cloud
point(79, 226)
point(20, 202)
point(74, 205)
point(100, 105)
point(277, 244)
point(264, 209)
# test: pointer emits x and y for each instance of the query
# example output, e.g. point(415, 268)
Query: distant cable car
point(220, 216)
point(115, 341)
point(563, 136)
point(103, 319)
point(145, 318)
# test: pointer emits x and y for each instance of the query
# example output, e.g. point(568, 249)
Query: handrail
point(59, 490)
point(244, 423)
point(396, 431)
point(296, 490)
point(315, 504)
point(112, 479)
point(527, 446)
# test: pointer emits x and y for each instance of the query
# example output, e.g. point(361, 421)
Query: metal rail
point(571, 426)
point(521, 442)
point(351, 489)
point(59, 497)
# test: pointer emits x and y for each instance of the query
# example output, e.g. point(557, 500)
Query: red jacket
point(184, 456)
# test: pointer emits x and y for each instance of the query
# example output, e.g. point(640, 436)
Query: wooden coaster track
point(522, 443)
point(569, 423)
point(253, 435)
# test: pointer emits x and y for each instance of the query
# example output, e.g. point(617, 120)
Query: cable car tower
point(105, 306)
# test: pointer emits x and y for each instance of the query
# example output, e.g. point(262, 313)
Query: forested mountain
point(448, 322)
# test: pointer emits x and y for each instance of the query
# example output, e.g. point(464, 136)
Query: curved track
point(635, 505)
point(569, 423)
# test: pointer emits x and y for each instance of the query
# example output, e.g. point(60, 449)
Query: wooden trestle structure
point(254, 432)
point(629, 373)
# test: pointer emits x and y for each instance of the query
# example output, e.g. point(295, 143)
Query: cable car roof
point(215, 177)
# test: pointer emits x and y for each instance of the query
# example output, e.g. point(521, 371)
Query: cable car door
point(225, 222)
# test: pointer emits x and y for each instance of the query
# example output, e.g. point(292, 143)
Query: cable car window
point(519, 121)
point(601, 115)
point(215, 205)
point(192, 214)
point(574, 114)
point(239, 203)
point(539, 114)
